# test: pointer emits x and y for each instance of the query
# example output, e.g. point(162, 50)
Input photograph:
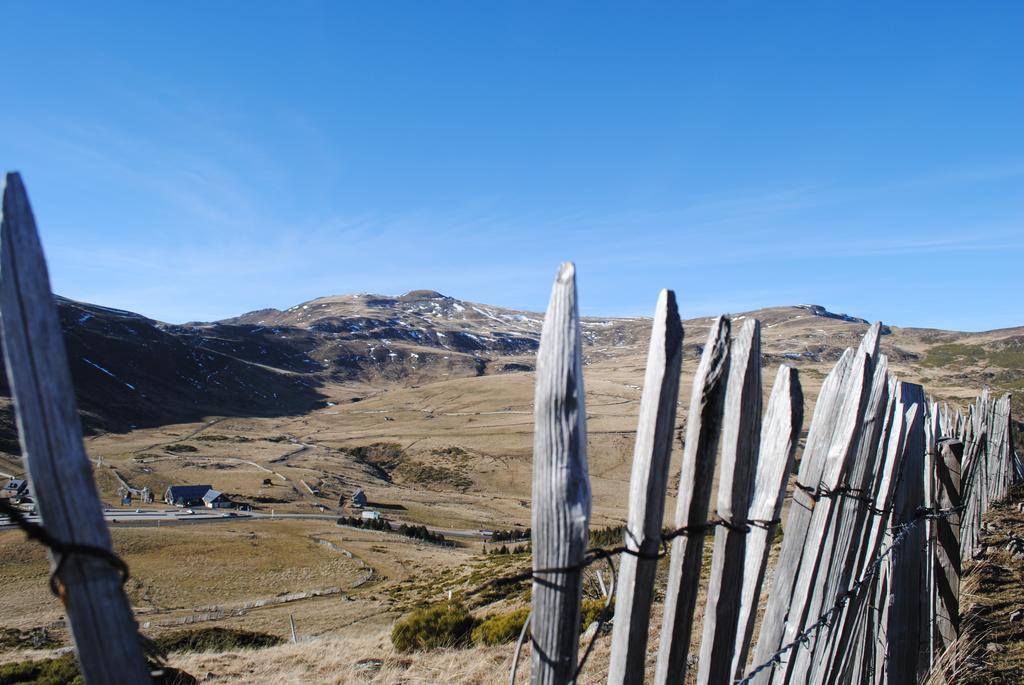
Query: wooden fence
point(887, 499)
point(865, 589)
point(85, 573)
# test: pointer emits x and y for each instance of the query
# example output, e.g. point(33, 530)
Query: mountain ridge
point(133, 371)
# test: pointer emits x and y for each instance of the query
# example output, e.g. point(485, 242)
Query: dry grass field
point(453, 453)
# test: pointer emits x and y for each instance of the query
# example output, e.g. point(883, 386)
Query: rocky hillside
point(130, 371)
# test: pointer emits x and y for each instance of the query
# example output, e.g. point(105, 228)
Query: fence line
point(862, 592)
point(888, 497)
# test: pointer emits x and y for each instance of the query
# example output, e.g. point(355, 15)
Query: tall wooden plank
point(851, 517)
point(780, 433)
point(102, 625)
point(926, 649)
point(852, 649)
point(807, 599)
point(647, 494)
point(561, 488)
point(698, 469)
point(741, 439)
point(882, 629)
point(795, 527)
point(904, 628)
point(946, 562)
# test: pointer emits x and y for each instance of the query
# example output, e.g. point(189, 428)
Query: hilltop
point(131, 371)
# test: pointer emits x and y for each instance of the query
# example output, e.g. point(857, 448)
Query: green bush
point(498, 629)
point(36, 638)
point(215, 640)
point(590, 610)
point(443, 625)
point(62, 670)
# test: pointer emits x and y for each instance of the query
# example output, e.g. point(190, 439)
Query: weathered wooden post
point(741, 438)
point(904, 627)
point(102, 625)
point(698, 470)
point(809, 599)
point(654, 434)
point(773, 626)
point(561, 488)
point(780, 433)
point(946, 569)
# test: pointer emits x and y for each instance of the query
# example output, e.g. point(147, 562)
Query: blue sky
point(192, 161)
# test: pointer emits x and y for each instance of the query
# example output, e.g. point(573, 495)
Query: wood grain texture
point(852, 517)
point(904, 627)
point(741, 437)
point(906, 424)
point(795, 527)
point(561, 487)
point(655, 430)
point(852, 460)
point(946, 560)
point(102, 625)
point(841, 552)
point(855, 648)
point(807, 599)
point(697, 473)
point(780, 433)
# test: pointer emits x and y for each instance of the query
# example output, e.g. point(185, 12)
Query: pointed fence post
point(852, 523)
point(561, 488)
point(741, 437)
point(702, 428)
point(904, 626)
point(647, 494)
point(946, 569)
point(773, 625)
point(779, 435)
point(102, 624)
point(808, 599)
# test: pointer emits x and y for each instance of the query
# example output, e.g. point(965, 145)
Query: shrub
point(498, 629)
point(607, 537)
point(59, 671)
point(36, 638)
point(63, 670)
point(443, 625)
point(215, 640)
point(590, 610)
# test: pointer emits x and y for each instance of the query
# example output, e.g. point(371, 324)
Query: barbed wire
point(595, 554)
point(899, 532)
point(804, 637)
point(61, 551)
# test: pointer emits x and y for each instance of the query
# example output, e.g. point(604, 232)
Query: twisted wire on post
point(826, 618)
point(900, 534)
point(595, 554)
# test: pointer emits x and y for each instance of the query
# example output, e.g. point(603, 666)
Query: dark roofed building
point(359, 498)
point(216, 500)
point(16, 487)
point(186, 495)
